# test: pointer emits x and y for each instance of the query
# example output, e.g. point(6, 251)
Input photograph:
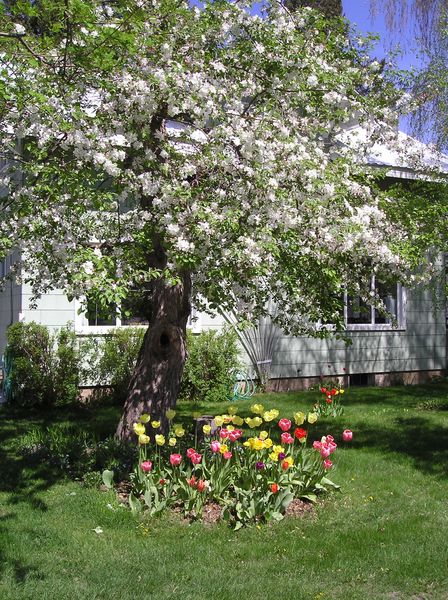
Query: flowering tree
point(192, 155)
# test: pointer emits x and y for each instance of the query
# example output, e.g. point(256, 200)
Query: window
point(360, 315)
point(97, 318)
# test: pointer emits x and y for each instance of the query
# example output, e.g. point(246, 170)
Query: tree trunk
point(154, 385)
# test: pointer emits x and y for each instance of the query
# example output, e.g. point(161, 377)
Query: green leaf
point(108, 477)
point(134, 504)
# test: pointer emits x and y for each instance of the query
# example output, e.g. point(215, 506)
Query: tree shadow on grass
point(416, 437)
point(24, 477)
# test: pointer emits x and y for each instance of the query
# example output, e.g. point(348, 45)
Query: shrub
point(41, 369)
point(208, 374)
point(110, 360)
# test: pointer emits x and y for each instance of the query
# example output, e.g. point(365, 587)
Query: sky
point(358, 12)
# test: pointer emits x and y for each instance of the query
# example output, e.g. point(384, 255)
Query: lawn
point(383, 537)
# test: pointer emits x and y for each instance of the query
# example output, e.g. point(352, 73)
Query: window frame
point(372, 326)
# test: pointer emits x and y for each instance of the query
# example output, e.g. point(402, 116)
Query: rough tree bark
point(154, 385)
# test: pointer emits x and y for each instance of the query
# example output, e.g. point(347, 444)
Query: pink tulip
point(146, 466)
point(317, 445)
point(284, 424)
point(327, 464)
point(223, 434)
point(215, 446)
point(196, 458)
point(325, 452)
point(235, 435)
point(227, 455)
point(347, 435)
point(332, 446)
point(190, 452)
point(286, 438)
point(175, 459)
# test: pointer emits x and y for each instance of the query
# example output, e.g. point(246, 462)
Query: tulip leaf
point(108, 477)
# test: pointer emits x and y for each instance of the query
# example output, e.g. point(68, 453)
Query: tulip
point(286, 438)
point(170, 414)
point(201, 485)
point(299, 418)
point(196, 458)
point(206, 429)
point(160, 440)
point(146, 466)
point(155, 424)
point(312, 418)
point(175, 459)
point(300, 433)
point(327, 464)
point(139, 428)
point(172, 441)
point(227, 455)
point(347, 435)
point(274, 488)
point(145, 418)
point(284, 424)
point(179, 431)
point(143, 439)
point(215, 446)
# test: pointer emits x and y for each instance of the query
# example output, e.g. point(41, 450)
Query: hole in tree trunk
point(164, 340)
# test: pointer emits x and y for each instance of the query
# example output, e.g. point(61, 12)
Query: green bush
point(208, 374)
point(110, 359)
point(41, 369)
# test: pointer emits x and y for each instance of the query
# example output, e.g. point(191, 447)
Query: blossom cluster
point(223, 138)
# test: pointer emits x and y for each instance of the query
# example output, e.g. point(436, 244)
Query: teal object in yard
point(244, 386)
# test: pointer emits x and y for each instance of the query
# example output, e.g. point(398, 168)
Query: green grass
point(383, 537)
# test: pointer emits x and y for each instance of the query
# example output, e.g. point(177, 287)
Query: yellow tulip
point(263, 435)
point(257, 444)
point(207, 429)
point(312, 418)
point(143, 439)
point(258, 409)
point(232, 410)
point(273, 456)
point(219, 421)
point(289, 460)
point(160, 440)
point(145, 418)
point(236, 420)
point(299, 418)
point(179, 431)
point(342, 391)
point(278, 449)
point(230, 428)
point(139, 428)
point(267, 443)
point(170, 414)
point(155, 424)
point(172, 441)
point(223, 448)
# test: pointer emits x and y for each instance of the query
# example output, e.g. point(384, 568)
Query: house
point(411, 348)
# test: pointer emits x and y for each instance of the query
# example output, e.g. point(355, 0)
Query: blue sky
point(358, 12)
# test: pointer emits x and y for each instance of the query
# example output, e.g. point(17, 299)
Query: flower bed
point(253, 474)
